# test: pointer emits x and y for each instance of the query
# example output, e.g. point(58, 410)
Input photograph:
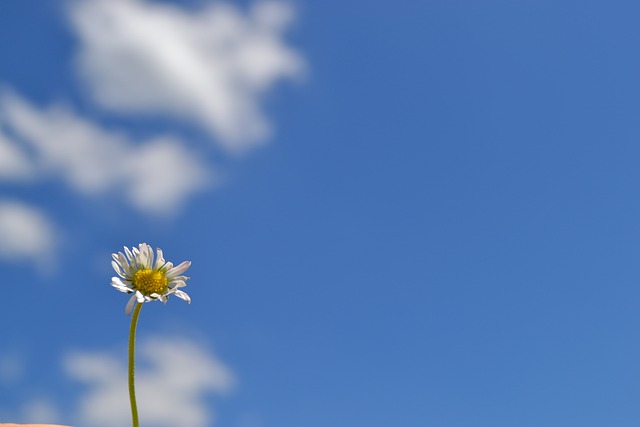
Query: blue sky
point(416, 214)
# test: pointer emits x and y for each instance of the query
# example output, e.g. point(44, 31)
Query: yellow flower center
point(150, 281)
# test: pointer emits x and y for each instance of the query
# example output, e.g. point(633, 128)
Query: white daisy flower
point(145, 279)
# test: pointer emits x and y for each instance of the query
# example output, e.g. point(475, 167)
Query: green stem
point(132, 343)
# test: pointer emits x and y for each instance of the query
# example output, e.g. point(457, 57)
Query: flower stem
point(132, 343)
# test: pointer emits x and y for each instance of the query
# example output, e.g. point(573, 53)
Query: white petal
point(120, 282)
point(141, 258)
point(175, 284)
point(149, 251)
point(144, 256)
point(123, 259)
point(140, 297)
point(117, 283)
point(120, 259)
point(166, 267)
point(159, 259)
point(123, 290)
point(118, 269)
point(129, 308)
point(130, 256)
point(183, 295)
point(136, 257)
point(178, 270)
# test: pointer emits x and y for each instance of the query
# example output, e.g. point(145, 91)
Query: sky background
point(417, 213)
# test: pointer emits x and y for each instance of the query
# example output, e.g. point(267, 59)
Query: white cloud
point(209, 66)
point(162, 173)
point(25, 234)
point(14, 163)
point(173, 377)
point(35, 410)
point(11, 368)
point(40, 410)
point(155, 177)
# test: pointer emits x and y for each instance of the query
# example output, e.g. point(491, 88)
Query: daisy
point(145, 279)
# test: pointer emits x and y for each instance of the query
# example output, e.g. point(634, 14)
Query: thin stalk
point(132, 343)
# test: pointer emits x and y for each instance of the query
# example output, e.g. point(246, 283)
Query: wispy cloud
point(209, 66)
point(14, 163)
point(155, 176)
point(26, 234)
point(40, 410)
point(11, 368)
point(173, 378)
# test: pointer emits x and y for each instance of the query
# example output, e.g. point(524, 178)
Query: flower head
point(145, 279)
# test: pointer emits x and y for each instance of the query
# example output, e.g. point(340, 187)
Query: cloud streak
point(209, 67)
